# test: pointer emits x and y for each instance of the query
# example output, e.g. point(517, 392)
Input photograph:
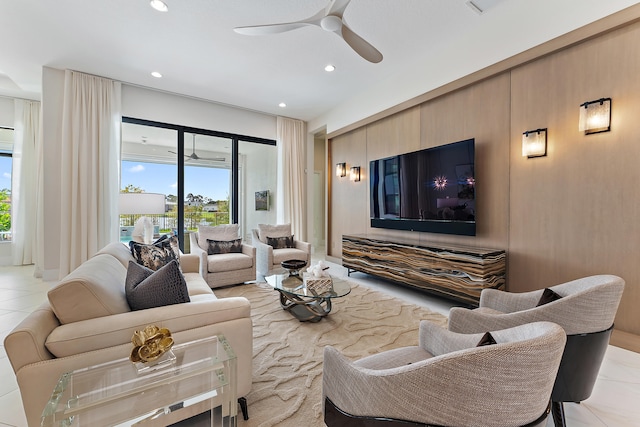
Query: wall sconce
point(595, 116)
point(341, 170)
point(534, 143)
point(355, 173)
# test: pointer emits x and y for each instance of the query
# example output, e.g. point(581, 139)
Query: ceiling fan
point(329, 19)
point(194, 156)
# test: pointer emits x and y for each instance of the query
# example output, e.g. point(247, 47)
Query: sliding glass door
point(207, 177)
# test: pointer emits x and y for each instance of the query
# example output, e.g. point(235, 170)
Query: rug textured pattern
point(287, 360)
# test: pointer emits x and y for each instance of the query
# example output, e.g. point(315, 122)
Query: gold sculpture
point(150, 343)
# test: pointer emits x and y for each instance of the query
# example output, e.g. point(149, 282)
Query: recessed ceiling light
point(282, 105)
point(159, 5)
point(329, 68)
point(156, 74)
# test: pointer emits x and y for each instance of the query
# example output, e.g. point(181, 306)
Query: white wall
point(6, 112)
point(149, 104)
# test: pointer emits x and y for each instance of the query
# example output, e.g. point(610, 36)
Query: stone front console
point(456, 272)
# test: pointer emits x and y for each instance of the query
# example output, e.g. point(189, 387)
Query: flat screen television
point(431, 190)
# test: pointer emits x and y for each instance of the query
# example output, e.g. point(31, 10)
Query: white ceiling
point(195, 48)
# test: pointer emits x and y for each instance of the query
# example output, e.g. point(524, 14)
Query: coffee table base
point(311, 309)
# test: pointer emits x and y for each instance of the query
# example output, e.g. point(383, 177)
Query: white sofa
point(87, 321)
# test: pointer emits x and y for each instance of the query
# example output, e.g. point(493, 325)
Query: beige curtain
point(90, 167)
point(290, 135)
point(25, 179)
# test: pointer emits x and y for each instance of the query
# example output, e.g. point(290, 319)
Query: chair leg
point(557, 411)
point(242, 401)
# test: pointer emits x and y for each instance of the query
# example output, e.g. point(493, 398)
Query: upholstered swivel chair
point(447, 380)
point(224, 259)
point(585, 308)
point(283, 247)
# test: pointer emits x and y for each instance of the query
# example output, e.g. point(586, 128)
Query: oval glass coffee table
point(304, 304)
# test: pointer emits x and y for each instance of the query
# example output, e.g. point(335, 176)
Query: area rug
point(287, 360)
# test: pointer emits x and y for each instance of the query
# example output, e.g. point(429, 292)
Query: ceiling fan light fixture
point(331, 23)
point(159, 5)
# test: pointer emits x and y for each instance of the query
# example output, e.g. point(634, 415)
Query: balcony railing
point(169, 221)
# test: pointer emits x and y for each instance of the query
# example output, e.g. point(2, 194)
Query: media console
point(456, 272)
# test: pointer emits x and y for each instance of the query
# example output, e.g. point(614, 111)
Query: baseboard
point(625, 340)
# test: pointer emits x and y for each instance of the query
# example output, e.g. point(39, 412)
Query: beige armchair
point(268, 257)
point(584, 308)
point(223, 268)
point(447, 380)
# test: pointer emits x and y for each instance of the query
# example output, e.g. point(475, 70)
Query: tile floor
point(614, 401)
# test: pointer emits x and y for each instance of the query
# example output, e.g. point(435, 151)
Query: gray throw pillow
point(145, 288)
point(156, 254)
point(224, 246)
point(280, 242)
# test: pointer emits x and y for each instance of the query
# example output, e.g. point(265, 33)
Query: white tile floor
point(614, 401)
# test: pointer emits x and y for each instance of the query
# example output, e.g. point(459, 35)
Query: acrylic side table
point(201, 378)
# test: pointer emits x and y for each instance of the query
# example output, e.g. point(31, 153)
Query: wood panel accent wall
point(480, 111)
point(570, 214)
point(348, 200)
point(575, 212)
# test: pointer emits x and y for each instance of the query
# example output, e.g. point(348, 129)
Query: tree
point(132, 189)
point(5, 210)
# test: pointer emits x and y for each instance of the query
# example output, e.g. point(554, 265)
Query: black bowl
point(293, 265)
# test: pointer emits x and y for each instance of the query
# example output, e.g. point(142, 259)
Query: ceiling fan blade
point(337, 7)
point(360, 45)
point(173, 152)
point(259, 30)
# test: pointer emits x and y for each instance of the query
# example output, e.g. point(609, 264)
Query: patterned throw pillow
point(224, 246)
point(156, 254)
point(145, 288)
point(280, 242)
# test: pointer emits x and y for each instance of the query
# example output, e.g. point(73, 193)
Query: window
point(210, 184)
point(6, 146)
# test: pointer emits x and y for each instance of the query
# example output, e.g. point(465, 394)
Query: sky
point(161, 178)
point(157, 178)
point(5, 172)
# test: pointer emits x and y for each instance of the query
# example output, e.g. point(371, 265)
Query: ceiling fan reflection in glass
point(195, 156)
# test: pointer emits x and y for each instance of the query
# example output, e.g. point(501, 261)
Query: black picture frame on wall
point(262, 200)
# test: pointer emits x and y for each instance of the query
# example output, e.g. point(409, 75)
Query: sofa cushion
point(228, 262)
point(156, 254)
point(280, 242)
point(223, 232)
point(268, 230)
point(146, 288)
point(286, 254)
point(224, 246)
point(94, 289)
point(196, 285)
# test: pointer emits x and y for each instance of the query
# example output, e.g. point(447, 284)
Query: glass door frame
point(181, 130)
